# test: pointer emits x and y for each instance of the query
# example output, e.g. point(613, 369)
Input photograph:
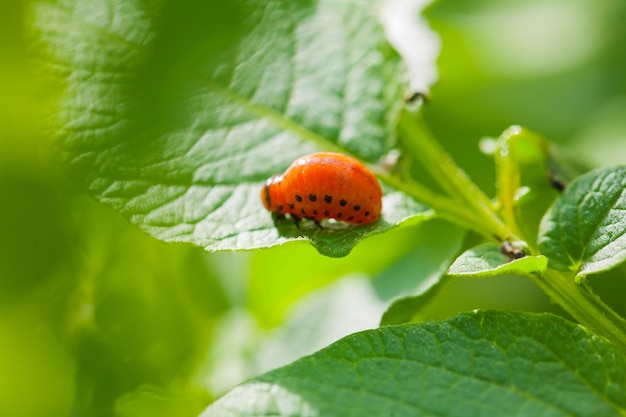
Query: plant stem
point(508, 177)
point(445, 207)
point(584, 306)
point(453, 179)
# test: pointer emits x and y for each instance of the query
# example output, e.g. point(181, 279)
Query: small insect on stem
point(555, 182)
point(511, 251)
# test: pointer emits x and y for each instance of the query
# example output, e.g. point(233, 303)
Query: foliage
point(485, 363)
point(171, 115)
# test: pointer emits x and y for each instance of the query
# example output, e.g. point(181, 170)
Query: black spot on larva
point(298, 198)
point(327, 213)
point(303, 211)
point(328, 199)
point(312, 197)
point(367, 213)
point(291, 206)
point(342, 202)
point(357, 208)
point(315, 212)
point(280, 208)
point(339, 215)
point(360, 221)
point(351, 218)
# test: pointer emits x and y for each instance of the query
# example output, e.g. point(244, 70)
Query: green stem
point(508, 179)
point(453, 179)
point(584, 306)
point(508, 175)
point(445, 207)
point(440, 164)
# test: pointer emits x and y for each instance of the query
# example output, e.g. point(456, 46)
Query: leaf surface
point(475, 364)
point(585, 230)
point(487, 260)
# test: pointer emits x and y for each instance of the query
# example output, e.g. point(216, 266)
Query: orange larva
point(325, 185)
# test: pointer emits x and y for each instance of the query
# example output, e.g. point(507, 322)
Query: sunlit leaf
point(585, 230)
point(175, 115)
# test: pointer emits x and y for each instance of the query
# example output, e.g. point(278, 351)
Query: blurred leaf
point(155, 402)
point(585, 230)
point(174, 115)
point(483, 261)
point(457, 294)
point(231, 357)
point(600, 141)
point(414, 280)
point(404, 310)
point(483, 363)
point(403, 261)
point(281, 276)
point(322, 317)
point(33, 241)
point(139, 315)
point(437, 243)
point(487, 260)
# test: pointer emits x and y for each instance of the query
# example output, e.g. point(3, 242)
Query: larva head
point(271, 194)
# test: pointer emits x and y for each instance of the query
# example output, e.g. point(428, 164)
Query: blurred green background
point(98, 319)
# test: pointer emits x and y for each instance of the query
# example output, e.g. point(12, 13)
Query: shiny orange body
point(325, 185)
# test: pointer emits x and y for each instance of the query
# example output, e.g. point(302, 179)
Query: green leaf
point(475, 364)
point(487, 260)
point(585, 230)
point(175, 115)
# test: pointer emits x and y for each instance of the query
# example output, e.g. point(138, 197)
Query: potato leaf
point(175, 114)
point(585, 230)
